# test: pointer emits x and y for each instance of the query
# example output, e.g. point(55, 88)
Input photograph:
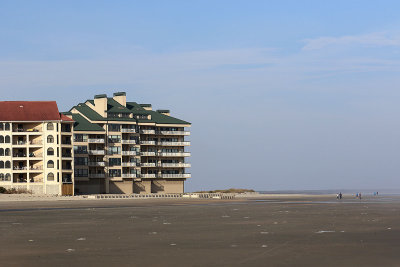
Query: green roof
point(115, 107)
point(81, 124)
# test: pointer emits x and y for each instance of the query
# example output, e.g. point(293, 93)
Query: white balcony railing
point(128, 141)
point(127, 130)
point(129, 175)
point(175, 132)
point(36, 143)
point(97, 175)
point(148, 164)
point(148, 154)
point(96, 140)
point(129, 153)
point(129, 164)
point(175, 154)
point(148, 175)
point(148, 131)
point(148, 142)
point(187, 143)
point(96, 152)
point(175, 165)
point(19, 143)
point(38, 168)
point(179, 175)
point(96, 164)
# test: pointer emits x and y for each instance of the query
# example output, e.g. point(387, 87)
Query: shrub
point(3, 190)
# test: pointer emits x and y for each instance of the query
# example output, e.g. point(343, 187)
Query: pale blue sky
point(281, 94)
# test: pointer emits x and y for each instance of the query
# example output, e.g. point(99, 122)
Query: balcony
point(175, 132)
point(148, 154)
point(19, 143)
point(35, 155)
point(148, 175)
point(97, 175)
point(35, 143)
point(96, 140)
point(174, 143)
point(175, 154)
point(37, 168)
point(96, 152)
point(128, 141)
point(179, 175)
point(148, 164)
point(17, 168)
point(129, 153)
point(128, 130)
point(31, 130)
point(129, 164)
point(148, 131)
point(129, 175)
point(175, 165)
point(148, 143)
point(67, 155)
point(96, 164)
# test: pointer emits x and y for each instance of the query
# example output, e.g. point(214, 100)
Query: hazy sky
point(281, 94)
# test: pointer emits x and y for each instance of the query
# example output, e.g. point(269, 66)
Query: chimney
point(120, 97)
point(100, 105)
point(164, 112)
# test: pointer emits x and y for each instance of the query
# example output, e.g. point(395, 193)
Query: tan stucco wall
point(93, 186)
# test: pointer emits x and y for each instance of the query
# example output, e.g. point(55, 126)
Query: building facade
point(36, 151)
point(125, 147)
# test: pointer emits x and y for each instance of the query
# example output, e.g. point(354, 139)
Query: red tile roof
point(66, 118)
point(29, 111)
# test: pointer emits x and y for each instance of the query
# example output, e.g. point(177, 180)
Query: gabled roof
point(115, 107)
point(81, 124)
point(65, 118)
point(29, 111)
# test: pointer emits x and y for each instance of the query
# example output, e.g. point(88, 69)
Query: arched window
point(8, 164)
point(50, 152)
point(7, 152)
point(50, 177)
point(1, 152)
point(1, 139)
point(7, 126)
point(1, 177)
point(50, 126)
point(8, 177)
point(50, 139)
point(1, 127)
point(50, 164)
point(7, 139)
point(1, 164)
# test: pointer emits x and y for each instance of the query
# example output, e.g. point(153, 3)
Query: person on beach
point(337, 196)
point(356, 195)
point(340, 195)
point(359, 195)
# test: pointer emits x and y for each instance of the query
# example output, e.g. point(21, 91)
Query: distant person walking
point(340, 195)
point(359, 195)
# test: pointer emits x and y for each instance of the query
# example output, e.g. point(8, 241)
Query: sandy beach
point(268, 230)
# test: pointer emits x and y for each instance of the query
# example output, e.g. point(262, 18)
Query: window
point(114, 150)
point(50, 139)
point(7, 152)
point(1, 164)
point(114, 162)
point(81, 161)
point(1, 177)
point(7, 126)
point(114, 127)
point(8, 177)
point(7, 139)
point(50, 126)
point(1, 126)
point(50, 164)
point(1, 139)
point(81, 173)
point(80, 149)
point(50, 177)
point(80, 137)
point(50, 152)
point(1, 152)
point(115, 173)
point(114, 138)
point(8, 164)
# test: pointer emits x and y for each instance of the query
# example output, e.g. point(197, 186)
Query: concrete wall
point(124, 187)
point(167, 186)
point(143, 187)
point(93, 186)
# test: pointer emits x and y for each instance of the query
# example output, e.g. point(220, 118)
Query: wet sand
point(269, 231)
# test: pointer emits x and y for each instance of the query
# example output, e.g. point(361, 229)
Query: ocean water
point(335, 191)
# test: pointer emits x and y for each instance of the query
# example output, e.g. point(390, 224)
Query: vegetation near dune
point(231, 190)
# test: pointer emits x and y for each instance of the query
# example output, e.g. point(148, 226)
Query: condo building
point(36, 151)
point(126, 147)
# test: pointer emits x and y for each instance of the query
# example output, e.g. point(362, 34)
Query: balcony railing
point(129, 153)
point(148, 142)
point(148, 175)
point(128, 141)
point(67, 155)
point(36, 143)
point(38, 168)
point(96, 164)
point(148, 164)
point(96, 140)
point(19, 143)
point(175, 154)
point(35, 155)
point(129, 164)
point(32, 130)
point(148, 131)
point(148, 154)
point(17, 168)
point(174, 132)
point(128, 130)
point(187, 143)
point(179, 175)
point(177, 165)
point(129, 175)
point(97, 175)
point(96, 152)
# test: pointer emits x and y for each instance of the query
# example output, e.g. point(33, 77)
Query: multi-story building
point(36, 148)
point(125, 147)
